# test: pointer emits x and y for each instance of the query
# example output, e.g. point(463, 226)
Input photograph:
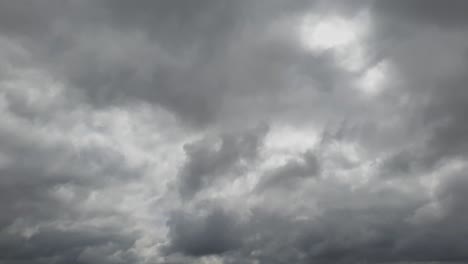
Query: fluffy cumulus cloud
point(231, 132)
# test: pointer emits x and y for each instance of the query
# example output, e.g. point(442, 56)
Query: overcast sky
point(233, 131)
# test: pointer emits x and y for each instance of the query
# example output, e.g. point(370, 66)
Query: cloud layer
point(233, 131)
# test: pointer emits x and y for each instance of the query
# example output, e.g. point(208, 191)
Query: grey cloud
point(437, 92)
point(373, 224)
point(376, 229)
point(435, 12)
point(339, 235)
point(424, 240)
point(400, 164)
point(26, 18)
point(215, 233)
point(209, 160)
point(383, 183)
point(44, 182)
point(291, 173)
point(57, 246)
point(87, 64)
point(199, 61)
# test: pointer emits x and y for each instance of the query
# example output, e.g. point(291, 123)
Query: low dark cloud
point(213, 234)
point(209, 160)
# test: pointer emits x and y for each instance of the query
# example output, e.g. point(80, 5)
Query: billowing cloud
point(233, 131)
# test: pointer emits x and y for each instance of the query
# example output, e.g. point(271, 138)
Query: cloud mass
point(226, 132)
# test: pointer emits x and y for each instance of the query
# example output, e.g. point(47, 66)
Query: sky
point(233, 131)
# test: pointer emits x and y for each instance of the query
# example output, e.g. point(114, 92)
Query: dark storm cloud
point(83, 181)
